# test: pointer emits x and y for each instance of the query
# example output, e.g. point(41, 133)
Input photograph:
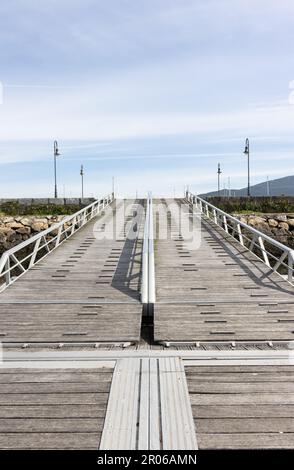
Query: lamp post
point(56, 154)
point(82, 176)
point(247, 152)
point(218, 179)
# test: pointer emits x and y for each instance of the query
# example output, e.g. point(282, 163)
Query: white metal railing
point(148, 267)
point(278, 257)
point(18, 260)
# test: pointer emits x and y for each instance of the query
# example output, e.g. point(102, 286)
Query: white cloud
point(67, 117)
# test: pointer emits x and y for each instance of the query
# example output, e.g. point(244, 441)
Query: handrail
point(47, 240)
point(256, 239)
point(148, 267)
point(151, 263)
point(145, 256)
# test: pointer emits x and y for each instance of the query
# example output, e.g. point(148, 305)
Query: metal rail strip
point(28, 357)
point(275, 255)
point(151, 262)
point(148, 268)
point(149, 406)
point(17, 261)
point(145, 277)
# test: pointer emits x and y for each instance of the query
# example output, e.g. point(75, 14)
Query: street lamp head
point(56, 151)
point(246, 151)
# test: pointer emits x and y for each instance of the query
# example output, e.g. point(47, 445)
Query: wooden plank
point(47, 388)
point(241, 388)
point(242, 399)
point(46, 441)
point(56, 411)
point(237, 378)
point(43, 425)
point(245, 425)
point(53, 377)
point(243, 411)
point(246, 441)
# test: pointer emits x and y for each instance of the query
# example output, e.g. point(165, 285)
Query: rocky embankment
point(14, 230)
point(277, 226)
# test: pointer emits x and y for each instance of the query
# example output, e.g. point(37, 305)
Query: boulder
point(272, 222)
point(259, 223)
point(290, 222)
point(281, 218)
point(255, 220)
point(24, 230)
point(284, 226)
point(11, 236)
point(5, 230)
point(39, 226)
point(243, 219)
point(14, 225)
point(7, 219)
point(26, 221)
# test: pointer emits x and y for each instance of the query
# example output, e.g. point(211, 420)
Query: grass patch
point(258, 205)
point(16, 209)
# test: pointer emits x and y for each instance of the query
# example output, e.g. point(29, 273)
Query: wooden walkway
point(131, 391)
point(219, 292)
point(87, 290)
point(147, 400)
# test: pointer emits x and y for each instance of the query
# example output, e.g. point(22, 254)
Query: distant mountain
point(279, 187)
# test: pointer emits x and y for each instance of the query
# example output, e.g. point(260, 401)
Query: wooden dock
point(87, 366)
point(87, 290)
point(219, 292)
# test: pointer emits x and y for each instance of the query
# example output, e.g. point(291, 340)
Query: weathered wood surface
point(231, 410)
point(53, 409)
point(87, 290)
point(219, 292)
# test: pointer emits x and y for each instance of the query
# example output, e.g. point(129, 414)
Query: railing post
point(264, 253)
point(74, 221)
point(225, 223)
point(240, 235)
point(35, 252)
point(7, 273)
point(290, 265)
point(84, 218)
point(215, 216)
point(144, 285)
point(58, 236)
point(151, 266)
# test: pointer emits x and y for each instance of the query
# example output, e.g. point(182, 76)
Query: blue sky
point(154, 92)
